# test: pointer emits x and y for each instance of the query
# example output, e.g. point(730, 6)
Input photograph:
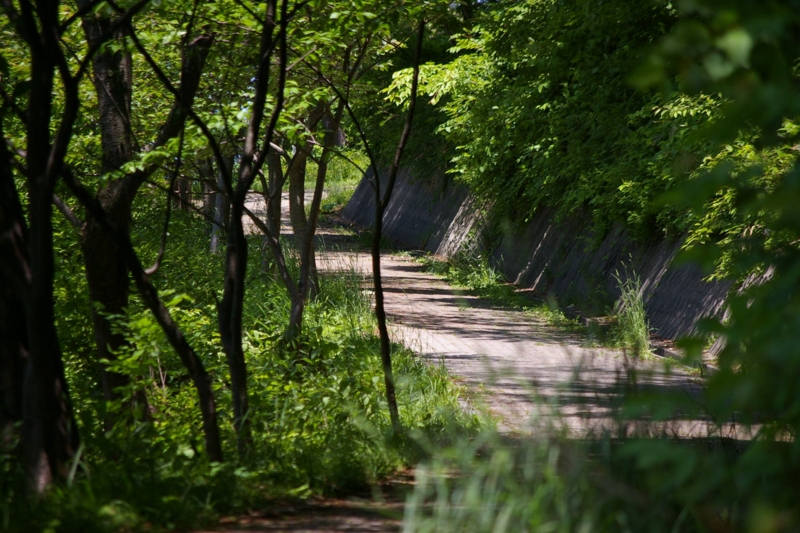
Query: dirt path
point(529, 374)
point(515, 364)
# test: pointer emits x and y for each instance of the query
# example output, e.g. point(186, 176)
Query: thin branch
point(250, 11)
point(173, 195)
point(357, 123)
point(68, 213)
point(78, 14)
point(212, 141)
point(274, 245)
point(163, 246)
point(301, 59)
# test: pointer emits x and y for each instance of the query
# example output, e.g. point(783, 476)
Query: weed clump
point(632, 331)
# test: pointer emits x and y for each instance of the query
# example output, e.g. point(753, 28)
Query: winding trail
point(534, 377)
point(529, 374)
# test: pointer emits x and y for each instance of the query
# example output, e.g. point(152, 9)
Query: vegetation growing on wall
point(543, 105)
point(160, 364)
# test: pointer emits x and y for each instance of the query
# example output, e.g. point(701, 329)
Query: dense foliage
point(672, 118)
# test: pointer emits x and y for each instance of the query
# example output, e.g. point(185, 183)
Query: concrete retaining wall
point(563, 258)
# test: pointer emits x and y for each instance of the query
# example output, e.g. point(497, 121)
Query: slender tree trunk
point(297, 215)
point(381, 201)
point(274, 197)
point(308, 283)
point(301, 228)
point(230, 309)
point(222, 206)
point(209, 196)
point(272, 189)
point(231, 322)
point(184, 194)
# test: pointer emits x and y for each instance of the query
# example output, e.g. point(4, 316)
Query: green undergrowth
point(497, 484)
point(319, 418)
point(631, 330)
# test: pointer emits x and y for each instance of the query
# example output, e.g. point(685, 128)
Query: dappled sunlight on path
point(531, 375)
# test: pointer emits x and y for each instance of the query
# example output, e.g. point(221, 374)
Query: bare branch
point(157, 264)
point(68, 213)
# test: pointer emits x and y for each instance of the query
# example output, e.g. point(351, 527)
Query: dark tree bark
point(49, 433)
point(274, 188)
point(184, 194)
point(106, 272)
point(15, 276)
point(302, 229)
point(49, 437)
point(222, 208)
point(308, 281)
point(381, 201)
point(208, 195)
point(231, 307)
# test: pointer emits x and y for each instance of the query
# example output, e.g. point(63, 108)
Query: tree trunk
point(229, 313)
point(50, 435)
point(308, 281)
point(222, 205)
point(14, 279)
point(184, 194)
point(297, 215)
point(106, 274)
point(308, 284)
point(209, 196)
point(381, 201)
point(274, 192)
point(106, 271)
point(231, 308)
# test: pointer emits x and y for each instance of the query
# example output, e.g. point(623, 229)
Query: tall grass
point(466, 269)
point(632, 331)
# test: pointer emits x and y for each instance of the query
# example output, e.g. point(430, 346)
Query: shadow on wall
point(563, 258)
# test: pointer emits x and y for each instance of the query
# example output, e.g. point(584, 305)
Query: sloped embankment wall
point(564, 258)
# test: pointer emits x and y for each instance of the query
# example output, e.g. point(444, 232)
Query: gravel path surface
point(528, 373)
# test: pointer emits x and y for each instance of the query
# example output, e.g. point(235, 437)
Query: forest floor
point(529, 374)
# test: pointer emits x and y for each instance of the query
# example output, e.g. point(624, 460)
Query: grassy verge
point(480, 278)
point(318, 415)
